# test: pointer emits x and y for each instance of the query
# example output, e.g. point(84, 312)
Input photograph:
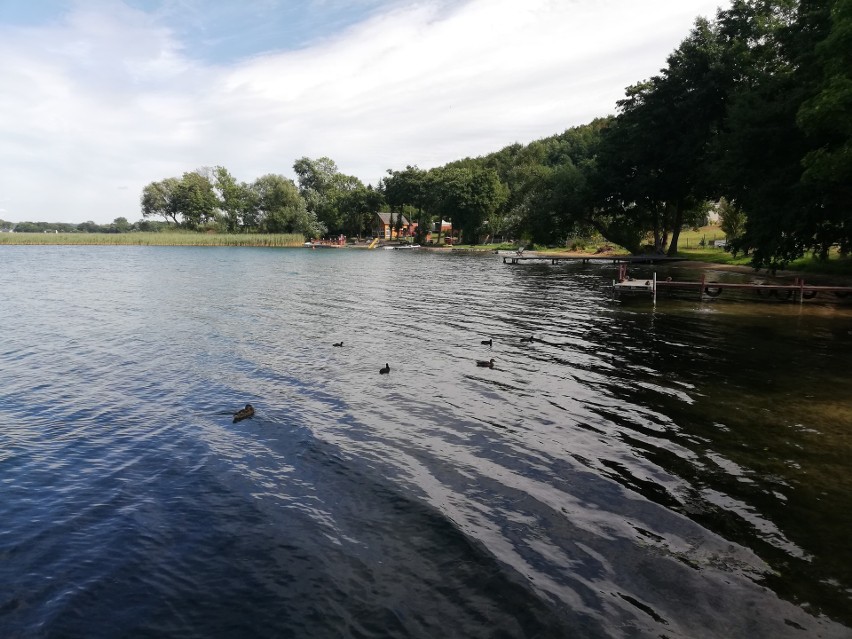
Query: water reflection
point(634, 470)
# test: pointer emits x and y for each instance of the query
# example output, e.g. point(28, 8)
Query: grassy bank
point(153, 239)
point(695, 245)
point(691, 249)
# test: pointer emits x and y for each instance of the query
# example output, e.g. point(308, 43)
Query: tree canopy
point(753, 110)
point(324, 201)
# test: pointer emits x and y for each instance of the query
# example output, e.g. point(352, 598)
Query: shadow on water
point(766, 422)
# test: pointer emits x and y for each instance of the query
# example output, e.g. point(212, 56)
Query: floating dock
point(585, 259)
point(798, 291)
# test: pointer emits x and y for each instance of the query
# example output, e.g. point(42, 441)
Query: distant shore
point(811, 270)
point(141, 238)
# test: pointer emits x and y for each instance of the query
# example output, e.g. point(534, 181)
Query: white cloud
point(106, 101)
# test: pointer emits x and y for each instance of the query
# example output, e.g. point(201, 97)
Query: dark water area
point(671, 470)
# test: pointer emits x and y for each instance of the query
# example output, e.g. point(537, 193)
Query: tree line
point(325, 201)
point(752, 112)
point(118, 225)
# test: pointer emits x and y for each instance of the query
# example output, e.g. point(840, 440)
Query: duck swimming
point(528, 339)
point(487, 342)
point(338, 344)
point(484, 364)
point(385, 370)
point(245, 413)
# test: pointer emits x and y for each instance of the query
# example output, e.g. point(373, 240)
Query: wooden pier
point(798, 291)
point(585, 259)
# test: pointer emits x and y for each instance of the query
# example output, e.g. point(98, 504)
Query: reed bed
point(155, 239)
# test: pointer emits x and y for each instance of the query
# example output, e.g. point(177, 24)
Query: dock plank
point(615, 259)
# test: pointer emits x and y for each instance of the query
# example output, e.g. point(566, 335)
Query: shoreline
point(811, 276)
point(250, 242)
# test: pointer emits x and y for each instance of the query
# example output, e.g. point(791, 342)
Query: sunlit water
point(671, 470)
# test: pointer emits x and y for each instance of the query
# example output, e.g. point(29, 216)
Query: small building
point(387, 229)
point(443, 229)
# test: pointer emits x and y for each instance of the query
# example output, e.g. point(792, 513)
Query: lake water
point(671, 470)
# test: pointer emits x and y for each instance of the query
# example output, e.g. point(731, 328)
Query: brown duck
point(244, 413)
point(485, 364)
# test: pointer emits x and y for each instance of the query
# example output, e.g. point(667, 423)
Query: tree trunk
point(658, 238)
point(676, 224)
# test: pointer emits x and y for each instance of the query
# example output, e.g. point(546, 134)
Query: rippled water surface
point(671, 470)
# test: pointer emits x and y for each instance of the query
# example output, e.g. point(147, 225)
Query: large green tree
point(323, 186)
point(468, 196)
point(236, 200)
point(550, 185)
point(654, 158)
point(189, 201)
point(826, 120)
point(278, 207)
point(195, 199)
point(159, 199)
point(770, 47)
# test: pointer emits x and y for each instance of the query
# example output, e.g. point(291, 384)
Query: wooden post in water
point(654, 285)
point(701, 290)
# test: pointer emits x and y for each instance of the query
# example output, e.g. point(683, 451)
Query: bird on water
point(528, 339)
point(244, 413)
point(488, 342)
point(385, 370)
point(484, 364)
point(338, 344)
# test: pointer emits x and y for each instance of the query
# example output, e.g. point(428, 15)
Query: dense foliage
point(325, 201)
point(753, 112)
point(752, 115)
point(118, 225)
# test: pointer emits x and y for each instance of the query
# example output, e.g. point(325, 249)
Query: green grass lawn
point(715, 256)
point(835, 265)
point(691, 238)
point(690, 247)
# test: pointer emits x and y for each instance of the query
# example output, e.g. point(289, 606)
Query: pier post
point(701, 290)
point(654, 289)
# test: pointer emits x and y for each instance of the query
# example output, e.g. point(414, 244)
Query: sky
point(102, 97)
